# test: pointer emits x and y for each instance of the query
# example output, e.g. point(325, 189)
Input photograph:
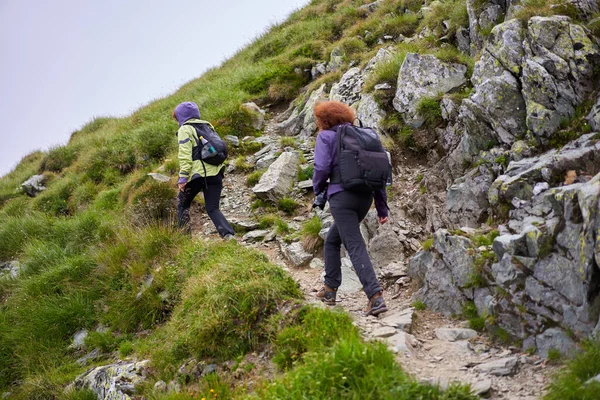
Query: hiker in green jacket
point(196, 175)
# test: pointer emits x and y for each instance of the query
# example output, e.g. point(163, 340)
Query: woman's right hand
point(382, 220)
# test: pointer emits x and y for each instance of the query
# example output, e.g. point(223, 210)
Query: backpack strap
point(336, 174)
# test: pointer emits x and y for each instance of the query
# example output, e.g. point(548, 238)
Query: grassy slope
point(89, 243)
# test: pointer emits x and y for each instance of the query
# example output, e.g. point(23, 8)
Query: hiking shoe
point(376, 305)
point(327, 295)
point(229, 236)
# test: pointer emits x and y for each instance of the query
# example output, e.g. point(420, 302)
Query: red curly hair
point(332, 113)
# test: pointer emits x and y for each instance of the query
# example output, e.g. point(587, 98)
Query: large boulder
point(279, 179)
point(424, 75)
point(255, 113)
point(444, 271)
point(113, 382)
point(348, 89)
point(467, 198)
point(370, 112)
point(301, 120)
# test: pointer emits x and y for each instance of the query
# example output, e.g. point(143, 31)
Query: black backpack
point(199, 152)
point(364, 165)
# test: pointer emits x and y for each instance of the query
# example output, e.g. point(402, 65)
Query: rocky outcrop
point(34, 185)
point(467, 199)
point(528, 78)
point(279, 179)
point(545, 280)
point(424, 76)
point(113, 382)
point(521, 176)
point(301, 121)
point(349, 88)
point(483, 15)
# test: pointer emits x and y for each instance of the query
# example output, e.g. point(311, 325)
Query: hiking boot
point(229, 236)
point(327, 295)
point(376, 305)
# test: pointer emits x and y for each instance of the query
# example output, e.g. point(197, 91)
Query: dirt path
point(421, 353)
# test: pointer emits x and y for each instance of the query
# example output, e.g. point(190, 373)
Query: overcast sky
point(64, 62)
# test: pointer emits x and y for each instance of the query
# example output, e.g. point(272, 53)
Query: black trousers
point(348, 210)
point(212, 187)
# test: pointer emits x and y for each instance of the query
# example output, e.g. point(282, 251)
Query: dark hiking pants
point(348, 210)
point(212, 187)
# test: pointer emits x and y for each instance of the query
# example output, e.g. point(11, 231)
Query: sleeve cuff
point(182, 180)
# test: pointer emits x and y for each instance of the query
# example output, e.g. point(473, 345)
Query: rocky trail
point(429, 346)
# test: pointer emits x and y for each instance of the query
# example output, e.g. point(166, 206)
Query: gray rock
point(159, 177)
point(371, 7)
point(401, 320)
point(160, 387)
point(540, 187)
point(10, 268)
point(501, 367)
point(79, 339)
point(384, 332)
point(555, 339)
point(382, 86)
point(278, 180)
point(113, 382)
point(350, 281)
point(255, 236)
point(318, 70)
point(481, 387)
point(209, 369)
point(257, 115)
point(463, 40)
point(34, 185)
point(467, 198)
point(348, 89)
point(370, 113)
point(336, 59)
point(91, 356)
point(305, 185)
point(317, 263)
point(594, 379)
point(403, 342)
point(424, 76)
point(244, 224)
point(454, 334)
point(233, 140)
point(296, 254)
point(483, 15)
point(384, 248)
point(291, 126)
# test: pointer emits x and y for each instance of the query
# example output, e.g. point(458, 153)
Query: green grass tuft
point(288, 205)
point(311, 241)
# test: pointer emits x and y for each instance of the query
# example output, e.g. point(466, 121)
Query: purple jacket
point(327, 159)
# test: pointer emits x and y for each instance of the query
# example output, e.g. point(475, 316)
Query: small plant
point(125, 349)
point(419, 305)
point(430, 110)
point(253, 178)
point(288, 141)
point(287, 205)
point(486, 239)
point(306, 173)
point(427, 244)
point(554, 356)
point(241, 164)
point(311, 241)
point(267, 221)
point(475, 321)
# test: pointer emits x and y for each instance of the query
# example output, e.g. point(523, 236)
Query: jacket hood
point(186, 111)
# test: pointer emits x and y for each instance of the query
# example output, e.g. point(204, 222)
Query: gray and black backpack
point(364, 165)
point(212, 150)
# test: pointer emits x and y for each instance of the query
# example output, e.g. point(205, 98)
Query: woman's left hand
point(382, 220)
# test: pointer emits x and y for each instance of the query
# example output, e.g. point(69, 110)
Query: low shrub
point(430, 110)
point(574, 381)
point(225, 304)
point(151, 203)
point(311, 241)
point(253, 178)
point(306, 173)
point(58, 158)
point(287, 205)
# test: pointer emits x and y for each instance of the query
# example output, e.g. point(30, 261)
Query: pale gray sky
point(65, 62)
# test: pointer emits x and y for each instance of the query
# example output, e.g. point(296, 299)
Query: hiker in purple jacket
point(348, 208)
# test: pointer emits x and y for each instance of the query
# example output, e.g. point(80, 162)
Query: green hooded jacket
point(191, 169)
